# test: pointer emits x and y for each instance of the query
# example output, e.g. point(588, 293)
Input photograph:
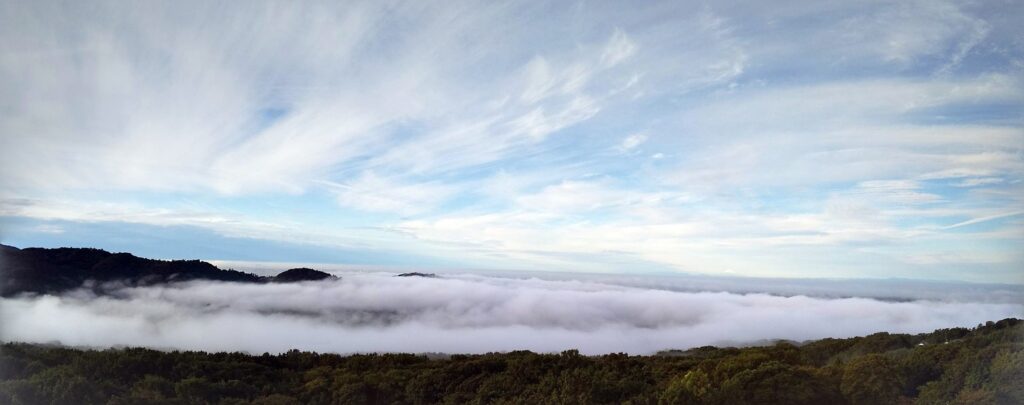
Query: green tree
point(688, 388)
point(196, 390)
point(275, 399)
point(871, 380)
point(777, 383)
point(1007, 377)
point(152, 387)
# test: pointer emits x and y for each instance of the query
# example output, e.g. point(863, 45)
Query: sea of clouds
point(376, 312)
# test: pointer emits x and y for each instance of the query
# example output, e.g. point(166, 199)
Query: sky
point(825, 139)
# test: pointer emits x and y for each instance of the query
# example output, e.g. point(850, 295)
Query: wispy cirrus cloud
point(706, 138)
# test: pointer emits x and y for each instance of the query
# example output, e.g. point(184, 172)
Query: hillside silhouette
point(52, 271)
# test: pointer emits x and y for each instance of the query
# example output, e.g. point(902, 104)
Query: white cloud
point(618, 49)
point(377, 312)
point(985, 219)
point(979, 181)
point(539, 80)
point(633, 141)
point(912, 30)
point(555, 227)
point(571, 197)
point(845, 132)
point(51, 229)
point(234, 107)
point(787, 150)
point(225, 224)
point(895, 191)
point(370, 192)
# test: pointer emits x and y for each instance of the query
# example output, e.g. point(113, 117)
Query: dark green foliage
point(984, 365)
point(778, 383)
point(301, 274)
point(871, 379)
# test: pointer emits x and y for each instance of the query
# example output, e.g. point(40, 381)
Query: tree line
point(981, 365)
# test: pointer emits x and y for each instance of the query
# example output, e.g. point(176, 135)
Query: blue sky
point(839, 139)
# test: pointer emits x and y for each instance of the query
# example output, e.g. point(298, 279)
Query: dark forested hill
point(417, 274)
point(983, 365)
point(38, 270)
point(301, 274)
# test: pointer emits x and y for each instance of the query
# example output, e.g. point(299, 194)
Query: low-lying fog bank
point(365, 312)
point(883, 289)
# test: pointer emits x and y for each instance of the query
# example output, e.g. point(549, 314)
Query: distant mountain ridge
point(48, 271)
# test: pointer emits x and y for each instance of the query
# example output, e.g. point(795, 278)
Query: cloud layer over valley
point(373, 312)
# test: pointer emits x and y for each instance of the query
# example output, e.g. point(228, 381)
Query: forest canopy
point(981, 365)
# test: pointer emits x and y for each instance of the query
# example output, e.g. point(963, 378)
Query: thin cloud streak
point(973, 221)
